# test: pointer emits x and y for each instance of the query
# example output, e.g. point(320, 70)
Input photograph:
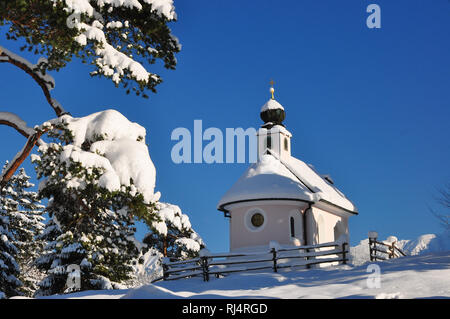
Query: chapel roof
point(288, 179)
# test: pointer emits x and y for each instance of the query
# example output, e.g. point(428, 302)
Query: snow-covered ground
point(424, 274)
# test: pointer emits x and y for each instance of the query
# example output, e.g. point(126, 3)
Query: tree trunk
point(165, 247)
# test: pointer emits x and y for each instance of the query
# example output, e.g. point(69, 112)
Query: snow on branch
point(106, 141)
point(45, 81)
point(113, 63)
point(14, 121)
point(163, 8)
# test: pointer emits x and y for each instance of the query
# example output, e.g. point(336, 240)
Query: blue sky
point(369, 107)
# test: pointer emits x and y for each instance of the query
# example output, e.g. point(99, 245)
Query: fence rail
point(390, 250)
point(221, 264)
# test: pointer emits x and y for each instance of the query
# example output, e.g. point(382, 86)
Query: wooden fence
point(387, 251)
point(275, 258)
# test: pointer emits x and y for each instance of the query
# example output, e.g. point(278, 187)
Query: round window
point(257, 220)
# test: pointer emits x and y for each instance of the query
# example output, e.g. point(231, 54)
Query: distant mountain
point(421, 245)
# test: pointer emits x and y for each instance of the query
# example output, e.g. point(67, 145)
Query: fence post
point(344, 255)
point(165, 268)
point(373, 235)
point(274, 258)
point(392, 252)
point(308, 266)
point(165, 272)
point(205, 268)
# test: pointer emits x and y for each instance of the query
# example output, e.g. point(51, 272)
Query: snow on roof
point(267, 178)
point(272, 178)
point(317, 183)
point(271, 105)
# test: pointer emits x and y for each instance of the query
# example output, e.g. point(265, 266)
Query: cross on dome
point(272, 112)
point(272, 90)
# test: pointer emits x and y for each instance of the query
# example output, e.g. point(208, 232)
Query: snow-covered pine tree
point(9, 268)
point(49, 253)
point(172, 234)
point(24, 210)
point(114, 37)
point(98, 176)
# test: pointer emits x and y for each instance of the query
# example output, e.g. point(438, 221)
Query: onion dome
point(272, 112)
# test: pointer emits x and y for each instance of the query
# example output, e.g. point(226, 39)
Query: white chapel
point(280, 198)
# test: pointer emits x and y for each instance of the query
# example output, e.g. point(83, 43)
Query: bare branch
point(443, 219)
point(45, 82)
point(20, 158)
point(444, 200)
point(33, 138)
point(15, 126)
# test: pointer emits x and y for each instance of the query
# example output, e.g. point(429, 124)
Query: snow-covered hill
point(423, 274)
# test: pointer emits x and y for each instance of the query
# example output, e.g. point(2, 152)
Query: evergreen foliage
point(24, 211)
point(171, 233)
point(115, 37)
point(90, 226)
point(9, 269)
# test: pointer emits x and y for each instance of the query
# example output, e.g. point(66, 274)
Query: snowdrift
point(423, 274)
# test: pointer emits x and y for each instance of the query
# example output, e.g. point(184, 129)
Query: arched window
point(269, 142)
point(286, 144)
point(292, 227)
